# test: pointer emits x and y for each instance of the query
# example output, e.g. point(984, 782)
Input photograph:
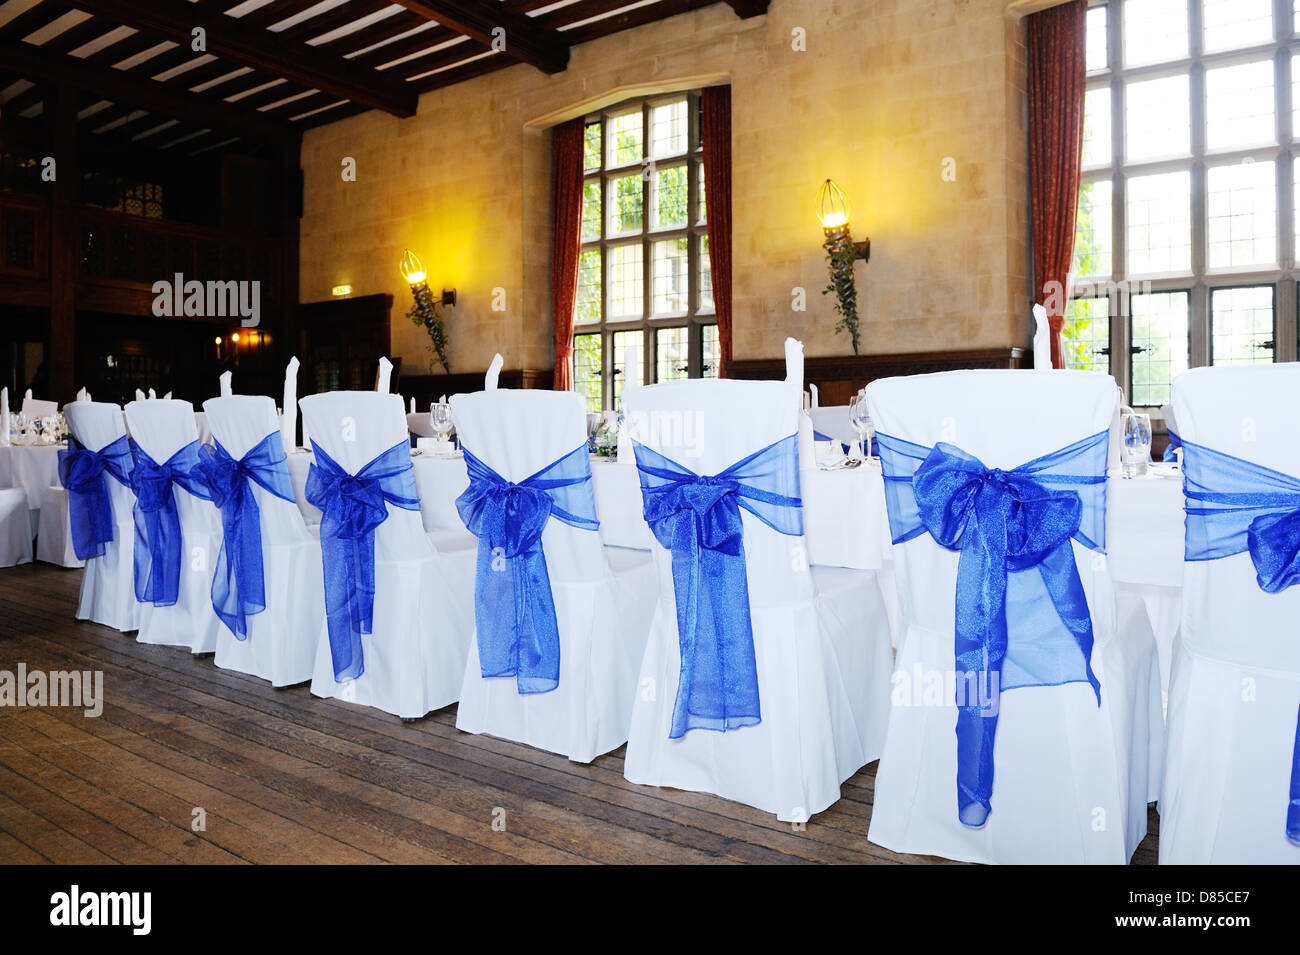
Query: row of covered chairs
point(726, 662)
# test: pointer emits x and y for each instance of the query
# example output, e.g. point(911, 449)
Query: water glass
point(1135, 447)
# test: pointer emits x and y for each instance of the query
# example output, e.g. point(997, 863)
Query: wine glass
point(1135, 448)
point(440, 420)
point(860, 418)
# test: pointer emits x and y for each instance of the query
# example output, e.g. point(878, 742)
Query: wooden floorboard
point(281, 777)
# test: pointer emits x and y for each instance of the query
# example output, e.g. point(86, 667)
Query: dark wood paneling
point(837, 379)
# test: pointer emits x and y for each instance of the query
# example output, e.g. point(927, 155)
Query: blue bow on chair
point(157, 521)
point(697, 517)
point(1004, 523)
point(514, 608)
point(90, 509)
point(238, 582)
point(352, 507)
point(1235, 506)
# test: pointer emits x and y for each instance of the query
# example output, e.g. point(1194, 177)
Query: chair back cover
point(95, 425)
point(36, 407)
point(240, 423)
point(354, 428)
point(708, 425)
point(833, 422)
point(517, 434)
point(1005, 419)
point(1247, 412)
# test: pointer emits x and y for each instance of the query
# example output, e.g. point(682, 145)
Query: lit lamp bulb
point(832, 208)
point(412, 268)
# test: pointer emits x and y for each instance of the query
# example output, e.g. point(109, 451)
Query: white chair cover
point(203, 427)
point(15, 527)
point(603, 599)
point(35, 407)
point(108, 582)
point(423, 608)
point(281, 642)
point(1072, 779)
point(54, 542)
point(821, 639)
point(833, 421)
point(161, 427)
point(1235, 686)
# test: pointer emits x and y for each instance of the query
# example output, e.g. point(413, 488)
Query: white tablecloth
point(32, 467)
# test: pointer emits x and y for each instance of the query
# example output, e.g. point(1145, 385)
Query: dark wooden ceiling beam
point(412, 44)
point(233, 40)
point(140, 94)
point(458, 74)
point(525, 41)
point(749, 8)
point(632, 18)
point(330, 20)
point(385, 29)
point(41, 15)
point(442, 58)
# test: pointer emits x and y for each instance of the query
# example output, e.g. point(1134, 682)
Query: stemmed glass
point(440, 421)
point(1135, 450)
point(860, 418)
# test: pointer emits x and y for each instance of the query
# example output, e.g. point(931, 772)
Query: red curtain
point(566, 242)
point(715, 107)
point(1056, 87)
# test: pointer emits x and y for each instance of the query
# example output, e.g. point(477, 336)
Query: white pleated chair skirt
point(54, 543)
point(190, 622)
point(1228, 763)
point(601, 648)
point(282, 640)
point(108, 584)
point(415, 655)
point(1071, 779)
point(15, 528)
point(823, 676)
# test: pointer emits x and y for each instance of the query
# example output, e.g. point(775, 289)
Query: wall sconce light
point(340, 290)
point(841, 252)
point(425, 310)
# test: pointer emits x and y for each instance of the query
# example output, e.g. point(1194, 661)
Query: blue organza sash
point(1171, 451)
point(90, 508)
point(1022, 617)
point(157, 521)
point(513, 605)
point(698, 518)
point(239, 582)
point(352, 507)
point(1235, 506)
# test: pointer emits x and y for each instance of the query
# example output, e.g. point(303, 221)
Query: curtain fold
point(566, 241)
point(1056, 82)
point(715, 109)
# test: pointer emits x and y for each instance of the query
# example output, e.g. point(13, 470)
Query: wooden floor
point(283, 777)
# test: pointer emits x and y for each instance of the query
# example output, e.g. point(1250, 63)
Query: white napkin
point(152, 395)
point(139, 395)
point(227, 389)
point(412, 404)
point(794, 362)
point(1042, 340)
point(4, 417)
point(812, 394)
point(384, 377)
point(167, 397)
point(28, 396)
point(82, 396)
point(493, 373)
point(289, 420)
point(442, 400)
point(632, 367)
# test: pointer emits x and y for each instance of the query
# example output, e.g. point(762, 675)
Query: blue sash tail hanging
point(514, 608)
point(157, 521)
point(697, 517)
point(239, 580)
point(352, 507)
point(1236, 506)
point(90, 509)
point(1004, 523)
